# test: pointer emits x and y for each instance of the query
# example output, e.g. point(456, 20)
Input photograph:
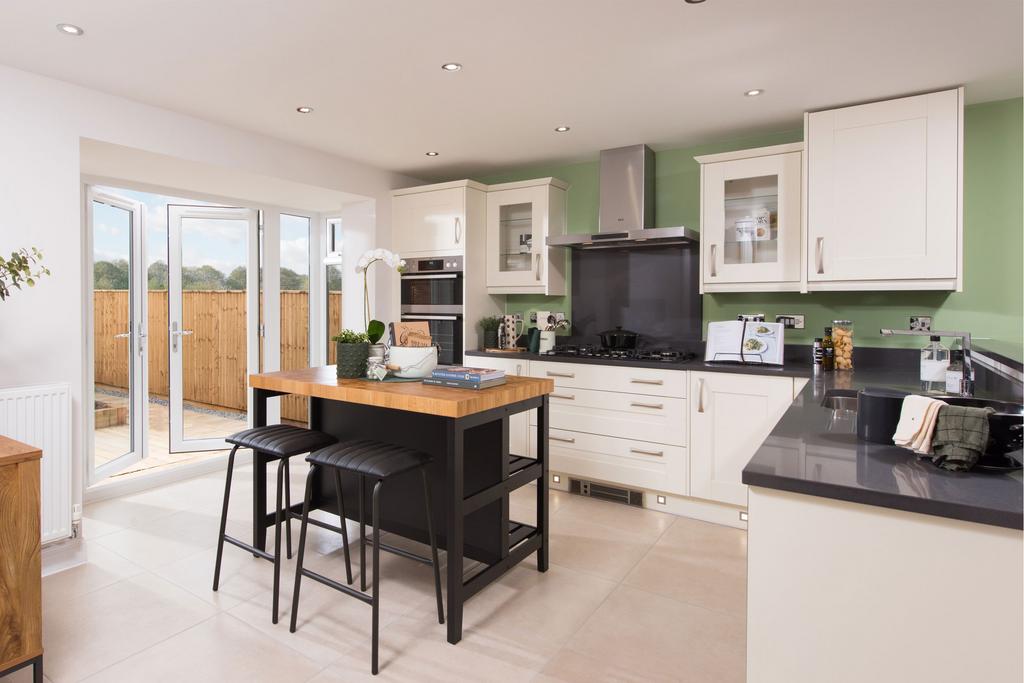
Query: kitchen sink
point(841, 399)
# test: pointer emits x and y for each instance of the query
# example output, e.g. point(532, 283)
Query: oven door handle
point(436, 276)
point(429, 317)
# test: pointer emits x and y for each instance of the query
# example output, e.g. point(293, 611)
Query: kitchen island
point(472, 473)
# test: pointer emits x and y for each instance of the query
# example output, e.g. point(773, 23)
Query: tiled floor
point(631, 595)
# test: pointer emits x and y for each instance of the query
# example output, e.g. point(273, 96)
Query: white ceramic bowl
point(413, 361)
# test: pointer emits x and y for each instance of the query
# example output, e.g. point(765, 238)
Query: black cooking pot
point(619, 339)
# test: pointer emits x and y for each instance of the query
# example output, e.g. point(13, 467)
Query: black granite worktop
point(788, 370)
point(815, 451)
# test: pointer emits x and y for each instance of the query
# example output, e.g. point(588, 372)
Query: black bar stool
point(278, 442)
point(376, 461)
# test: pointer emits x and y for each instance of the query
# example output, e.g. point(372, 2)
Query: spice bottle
point(828, 351)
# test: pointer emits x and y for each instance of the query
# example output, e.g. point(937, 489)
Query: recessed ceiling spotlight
point(432, 154)
point(304, 110)
point(754, 93)
point(562, 129)
point(694, 2)
point(70, 29)
point(452, 66)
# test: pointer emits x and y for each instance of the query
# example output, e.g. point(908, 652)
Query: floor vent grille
point(604, 492)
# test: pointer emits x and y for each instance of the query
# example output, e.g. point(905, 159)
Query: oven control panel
point(440, 264)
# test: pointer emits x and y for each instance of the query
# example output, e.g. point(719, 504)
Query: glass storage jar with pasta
point(842, 339)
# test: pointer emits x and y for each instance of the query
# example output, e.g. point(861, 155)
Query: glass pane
point(515, 235)
point(294, 307)
point(112, 341)
point(333, 286)
point(752, 220)
point(213, 348)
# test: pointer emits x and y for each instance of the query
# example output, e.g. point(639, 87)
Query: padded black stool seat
point(377, 462)
point(280, 441)
point(274, 442)
point(369, 458)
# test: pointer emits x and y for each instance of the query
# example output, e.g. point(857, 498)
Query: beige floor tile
point(219, 649)
point(93, 631)
point(697, 562)
point(23, 676)
point(640, 523)
point(416, 651)
point(242, 576)
point(650, 637)
point(595, 548)
point(110, 516)
point(102, 568)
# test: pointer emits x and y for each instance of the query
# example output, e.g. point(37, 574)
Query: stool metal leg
point(362, 535)
point(277, 537)
point(433, 547)
point(376, 575)
point(224, 518)
point(288, 504)
point(302, 547)
point(343, 524)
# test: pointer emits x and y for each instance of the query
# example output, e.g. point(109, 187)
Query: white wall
point(41, 123)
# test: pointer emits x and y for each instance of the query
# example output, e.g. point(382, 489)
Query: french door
point(213, 321)
point(120, 350)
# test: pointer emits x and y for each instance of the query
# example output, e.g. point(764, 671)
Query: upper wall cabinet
point(520, 217)
point(751, 220)
point(432, 219)
point(884, 188)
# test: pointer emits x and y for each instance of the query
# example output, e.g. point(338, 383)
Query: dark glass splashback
point(650, 290)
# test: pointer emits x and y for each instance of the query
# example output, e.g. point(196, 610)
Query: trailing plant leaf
point(374, 331)
point(23, 267)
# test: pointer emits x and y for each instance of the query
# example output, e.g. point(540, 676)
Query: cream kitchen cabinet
point(750, 220)
point(520, 217)
point(730, 417)
point(884, 194)
point(518, 424)
point(436, 219)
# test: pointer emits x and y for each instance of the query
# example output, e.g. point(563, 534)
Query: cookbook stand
point(742, 357)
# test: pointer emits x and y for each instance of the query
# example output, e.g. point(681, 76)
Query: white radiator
point(41, 416)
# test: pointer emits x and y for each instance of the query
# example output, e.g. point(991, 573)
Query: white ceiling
point(617, 71)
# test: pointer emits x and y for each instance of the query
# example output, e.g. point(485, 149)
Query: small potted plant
point(490, 325)
point(353, 351)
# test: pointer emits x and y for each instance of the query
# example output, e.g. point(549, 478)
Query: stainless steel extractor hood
point(627, 206)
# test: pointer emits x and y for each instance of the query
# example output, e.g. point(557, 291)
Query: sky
point(219, 243)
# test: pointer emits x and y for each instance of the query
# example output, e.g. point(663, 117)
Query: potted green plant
point(490, 325)
point(375, 329)
point(353, 351)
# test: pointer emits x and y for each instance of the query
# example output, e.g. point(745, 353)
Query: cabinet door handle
point(560, 374)
point(562, 439)
point(641, 451)
point(567, 397)
point(700, 395)
point(713, 257)
point(519, 368)
point(653, 406)
point(820, 253)
point(536, 268)
point(458, 230)
point(658, 382)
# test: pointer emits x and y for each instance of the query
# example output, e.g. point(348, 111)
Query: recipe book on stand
point(745, 342)
point(465, 377)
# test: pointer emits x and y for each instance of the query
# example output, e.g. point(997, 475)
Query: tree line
point(115, 275)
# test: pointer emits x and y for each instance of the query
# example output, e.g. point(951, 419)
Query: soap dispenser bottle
point(934, 361)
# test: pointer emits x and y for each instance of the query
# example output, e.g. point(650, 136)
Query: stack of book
point(465, 378)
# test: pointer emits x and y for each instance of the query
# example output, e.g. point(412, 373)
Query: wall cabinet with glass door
point(520, 217)
point(751, 220)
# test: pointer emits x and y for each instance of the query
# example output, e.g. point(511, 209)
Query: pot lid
point(619, 330)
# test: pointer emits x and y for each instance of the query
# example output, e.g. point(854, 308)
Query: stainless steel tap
point(967, 383)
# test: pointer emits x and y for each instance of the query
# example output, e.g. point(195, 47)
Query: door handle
point(567, 397)
point(176, 334)
point(641, 451)
point(562, 439)
point(820, 252)
point(560, 374)
point(713, 254)
point(700, 395)
point(458, 230)
point(536, 267)
point(653, 406)
point(122, 335)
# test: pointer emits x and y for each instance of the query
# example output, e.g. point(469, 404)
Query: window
point(295, 352)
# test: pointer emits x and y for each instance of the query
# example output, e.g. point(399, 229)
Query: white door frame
point(178, 336)
point(138, 391)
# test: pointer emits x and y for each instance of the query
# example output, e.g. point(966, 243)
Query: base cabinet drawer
point(650, 381)
point(628, 416)
point(626, 462)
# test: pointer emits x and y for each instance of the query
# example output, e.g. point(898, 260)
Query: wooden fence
point(214, 356)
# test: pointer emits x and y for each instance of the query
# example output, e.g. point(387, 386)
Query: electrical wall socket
point(559, 315)
point(519, 317)
point(793, 321)
point(921, 323)
point(533, 317)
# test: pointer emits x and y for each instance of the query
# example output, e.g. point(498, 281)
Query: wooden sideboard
point(21, 618)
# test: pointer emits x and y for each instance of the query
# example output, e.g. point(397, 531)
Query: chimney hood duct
point(626, 213)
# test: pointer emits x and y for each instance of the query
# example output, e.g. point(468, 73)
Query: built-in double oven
point(432, 292)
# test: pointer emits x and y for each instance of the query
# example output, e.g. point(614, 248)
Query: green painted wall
point(993, 298)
